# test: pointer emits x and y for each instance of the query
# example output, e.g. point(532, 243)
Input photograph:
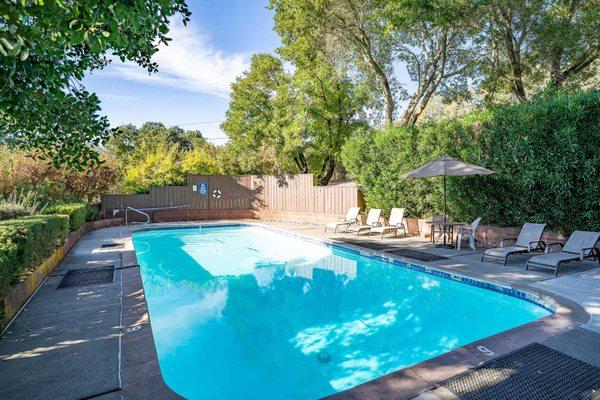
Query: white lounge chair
point(581, 245)
point(372, 221)
point(350, 218)
point(394, 224)
point(529, 240)
point(469, 233)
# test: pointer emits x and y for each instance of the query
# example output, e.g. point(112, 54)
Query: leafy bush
point(78, 213)
point(544, 154)
point(26, 242)
point(20, 171)
point(20, 203)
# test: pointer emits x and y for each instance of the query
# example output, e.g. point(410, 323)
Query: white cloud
point(116, 96)
point(190, 62)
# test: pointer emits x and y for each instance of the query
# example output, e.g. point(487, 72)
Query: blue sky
point(196, 69)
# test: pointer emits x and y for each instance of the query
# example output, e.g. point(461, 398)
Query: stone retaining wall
point(20, 292)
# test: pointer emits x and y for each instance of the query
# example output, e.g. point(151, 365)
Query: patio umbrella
point(446, 166)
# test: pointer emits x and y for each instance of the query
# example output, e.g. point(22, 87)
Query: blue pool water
point(246, 312)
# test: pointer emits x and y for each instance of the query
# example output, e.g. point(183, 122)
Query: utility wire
point(200, 123)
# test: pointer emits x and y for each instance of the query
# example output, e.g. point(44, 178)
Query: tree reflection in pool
point(246, 312)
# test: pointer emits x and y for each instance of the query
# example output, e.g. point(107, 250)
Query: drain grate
point(534, 372)
point(112, 246)
point(87, 277)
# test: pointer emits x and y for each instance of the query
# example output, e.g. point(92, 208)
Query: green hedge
point(26, 242)
point(78, 213)
point(544, 152)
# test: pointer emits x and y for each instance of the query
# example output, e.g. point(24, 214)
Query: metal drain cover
point(112, 246)
point(534, 372)
point(87, 277)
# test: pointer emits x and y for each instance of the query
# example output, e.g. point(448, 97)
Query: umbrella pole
point(445, 210)
point(445, 202)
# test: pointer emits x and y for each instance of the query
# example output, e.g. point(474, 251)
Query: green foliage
point(46, 47)
point(20, 203)
point(281, 122)
point(156, 166)
point(26, 242)
point(543, 152)
point(261, 108)
point(200, 160)
point(12, 210)
point(19, 172)
point(154, 155)
point(78, 213)
point(529, 46)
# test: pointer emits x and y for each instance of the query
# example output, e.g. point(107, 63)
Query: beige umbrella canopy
point(446, 166)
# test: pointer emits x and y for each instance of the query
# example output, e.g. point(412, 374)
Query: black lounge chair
point(529, 240)
point(581, 245)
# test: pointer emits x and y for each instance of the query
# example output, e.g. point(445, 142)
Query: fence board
point(292, 193)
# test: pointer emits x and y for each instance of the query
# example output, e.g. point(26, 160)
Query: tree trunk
point(301, 163)
point(514, 57)
point(388, 97)
point(326, 171)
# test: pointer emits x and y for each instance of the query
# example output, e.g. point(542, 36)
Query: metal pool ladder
point(138, 211)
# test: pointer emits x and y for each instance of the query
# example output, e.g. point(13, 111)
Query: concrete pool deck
point(96, 343)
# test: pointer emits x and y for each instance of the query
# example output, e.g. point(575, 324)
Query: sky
point(195, 70)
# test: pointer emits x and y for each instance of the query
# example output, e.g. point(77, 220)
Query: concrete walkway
point(66, 343)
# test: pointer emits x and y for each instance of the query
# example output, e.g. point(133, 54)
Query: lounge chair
point(350, 218)
point(581, 245)
point(529, 240)
point(394, 224)
point(372, 221)
point(469, 233)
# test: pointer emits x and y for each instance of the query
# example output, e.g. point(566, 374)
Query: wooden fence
point(285, 193)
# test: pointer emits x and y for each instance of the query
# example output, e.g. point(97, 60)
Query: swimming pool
point(247, 312)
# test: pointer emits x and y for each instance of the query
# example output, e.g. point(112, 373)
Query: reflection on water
point(334, 263)
point(257, 308)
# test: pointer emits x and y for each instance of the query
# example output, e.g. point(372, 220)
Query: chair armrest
point(507, 239)
point(582, 255)
point(549, 246)
point(465, 229)
point(539, 245)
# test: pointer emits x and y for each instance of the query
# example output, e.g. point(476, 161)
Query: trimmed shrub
point(26, 242)
point(78, 213)
point(544, 153)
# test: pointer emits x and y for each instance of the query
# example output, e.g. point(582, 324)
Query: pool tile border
point(405, 383)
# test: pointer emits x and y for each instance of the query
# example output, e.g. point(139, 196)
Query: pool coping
point(142, 376)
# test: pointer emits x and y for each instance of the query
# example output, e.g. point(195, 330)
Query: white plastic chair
point(468, 232)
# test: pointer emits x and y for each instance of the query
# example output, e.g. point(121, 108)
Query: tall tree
point(568, 39)
point(432, 39)
point(259, 119)
point(283, 122)
point(529, 44)
point(333, 109)
point(349, 30)
point(45, 49)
